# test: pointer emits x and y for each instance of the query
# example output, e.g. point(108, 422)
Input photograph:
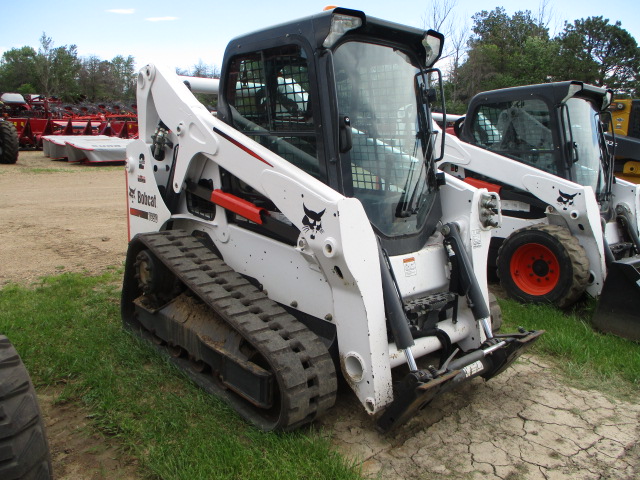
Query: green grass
point(49, 170)
point(40, 170)
point(595, 360)
point(73, 169)
point(68, 332)
point(37, 170)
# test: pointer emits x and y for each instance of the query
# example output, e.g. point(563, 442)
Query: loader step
point(228, 336)
point(430, 303)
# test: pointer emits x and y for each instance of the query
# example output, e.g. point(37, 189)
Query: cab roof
point(315, 29)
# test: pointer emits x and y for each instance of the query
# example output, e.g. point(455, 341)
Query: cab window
point(268, 92)
point(517, 129)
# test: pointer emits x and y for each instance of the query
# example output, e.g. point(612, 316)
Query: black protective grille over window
point(517, 129)
point(387, 136)
point(271, 103)
point(381, 131)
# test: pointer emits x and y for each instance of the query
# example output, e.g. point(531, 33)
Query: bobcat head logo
point(132, 193)
point(565, 199)
point(312, 221)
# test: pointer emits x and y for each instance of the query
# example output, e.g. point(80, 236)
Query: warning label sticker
point(410, 268)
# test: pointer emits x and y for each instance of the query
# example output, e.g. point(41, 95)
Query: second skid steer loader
point(305, 232)
point(568, 226)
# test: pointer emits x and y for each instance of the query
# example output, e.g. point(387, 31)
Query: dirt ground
point(527, 423)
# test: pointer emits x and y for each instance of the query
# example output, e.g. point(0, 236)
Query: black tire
point(543, 264)
point(24, 450)
point(8, 143)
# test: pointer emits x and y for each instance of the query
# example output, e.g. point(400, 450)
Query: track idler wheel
point(154, 279)
point(198, 365)
point(543, 264)
point(175, 351)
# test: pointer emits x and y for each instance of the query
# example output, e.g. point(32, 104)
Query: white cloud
point(122, 11)
point(161, 19)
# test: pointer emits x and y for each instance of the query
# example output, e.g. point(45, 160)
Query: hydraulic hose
point(393, 307)
point(466, 278)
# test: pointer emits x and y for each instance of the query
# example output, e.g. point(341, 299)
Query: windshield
point(390, 168)
point(587, 132)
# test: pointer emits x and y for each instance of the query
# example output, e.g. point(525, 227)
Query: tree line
point(496, 51)
point(501, 51)
point(60, 72)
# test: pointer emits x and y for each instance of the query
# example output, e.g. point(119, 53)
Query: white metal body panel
point(333, 271)
point(73, 154)
point(628, 194)
point(55, 146)
point(580, 214)
point(99, 150)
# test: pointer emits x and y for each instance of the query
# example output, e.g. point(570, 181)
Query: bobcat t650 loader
point(568, 226)
point(305, 231)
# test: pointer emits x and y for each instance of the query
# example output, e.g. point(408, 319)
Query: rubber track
point(301, 363)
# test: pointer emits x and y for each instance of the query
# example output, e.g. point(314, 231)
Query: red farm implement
point(36, 117)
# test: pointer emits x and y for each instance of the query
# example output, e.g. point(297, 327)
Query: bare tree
point(200, 69)
point(440, 16)
point(546, 16)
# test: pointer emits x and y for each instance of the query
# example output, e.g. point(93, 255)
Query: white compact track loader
point(304, 231)
point(568, 225)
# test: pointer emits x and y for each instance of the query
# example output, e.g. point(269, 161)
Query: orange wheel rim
point(535, 269)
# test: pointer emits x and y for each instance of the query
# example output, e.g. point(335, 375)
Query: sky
point(177, 34)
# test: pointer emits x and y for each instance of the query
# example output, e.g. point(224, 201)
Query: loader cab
point(555, 127)
point(344, 97)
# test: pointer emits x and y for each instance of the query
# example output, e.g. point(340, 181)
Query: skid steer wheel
point(8, 143)
point(543, 264)
point(24, 450)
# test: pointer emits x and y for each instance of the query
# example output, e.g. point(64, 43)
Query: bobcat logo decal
point(565, 199)
point(312, 221)
point(132, 193)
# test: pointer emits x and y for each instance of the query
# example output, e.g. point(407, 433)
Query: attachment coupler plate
point(419, 388)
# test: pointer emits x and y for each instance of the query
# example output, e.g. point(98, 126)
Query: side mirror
point(433, 42)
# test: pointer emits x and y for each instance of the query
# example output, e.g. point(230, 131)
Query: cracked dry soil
point(527, 423)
